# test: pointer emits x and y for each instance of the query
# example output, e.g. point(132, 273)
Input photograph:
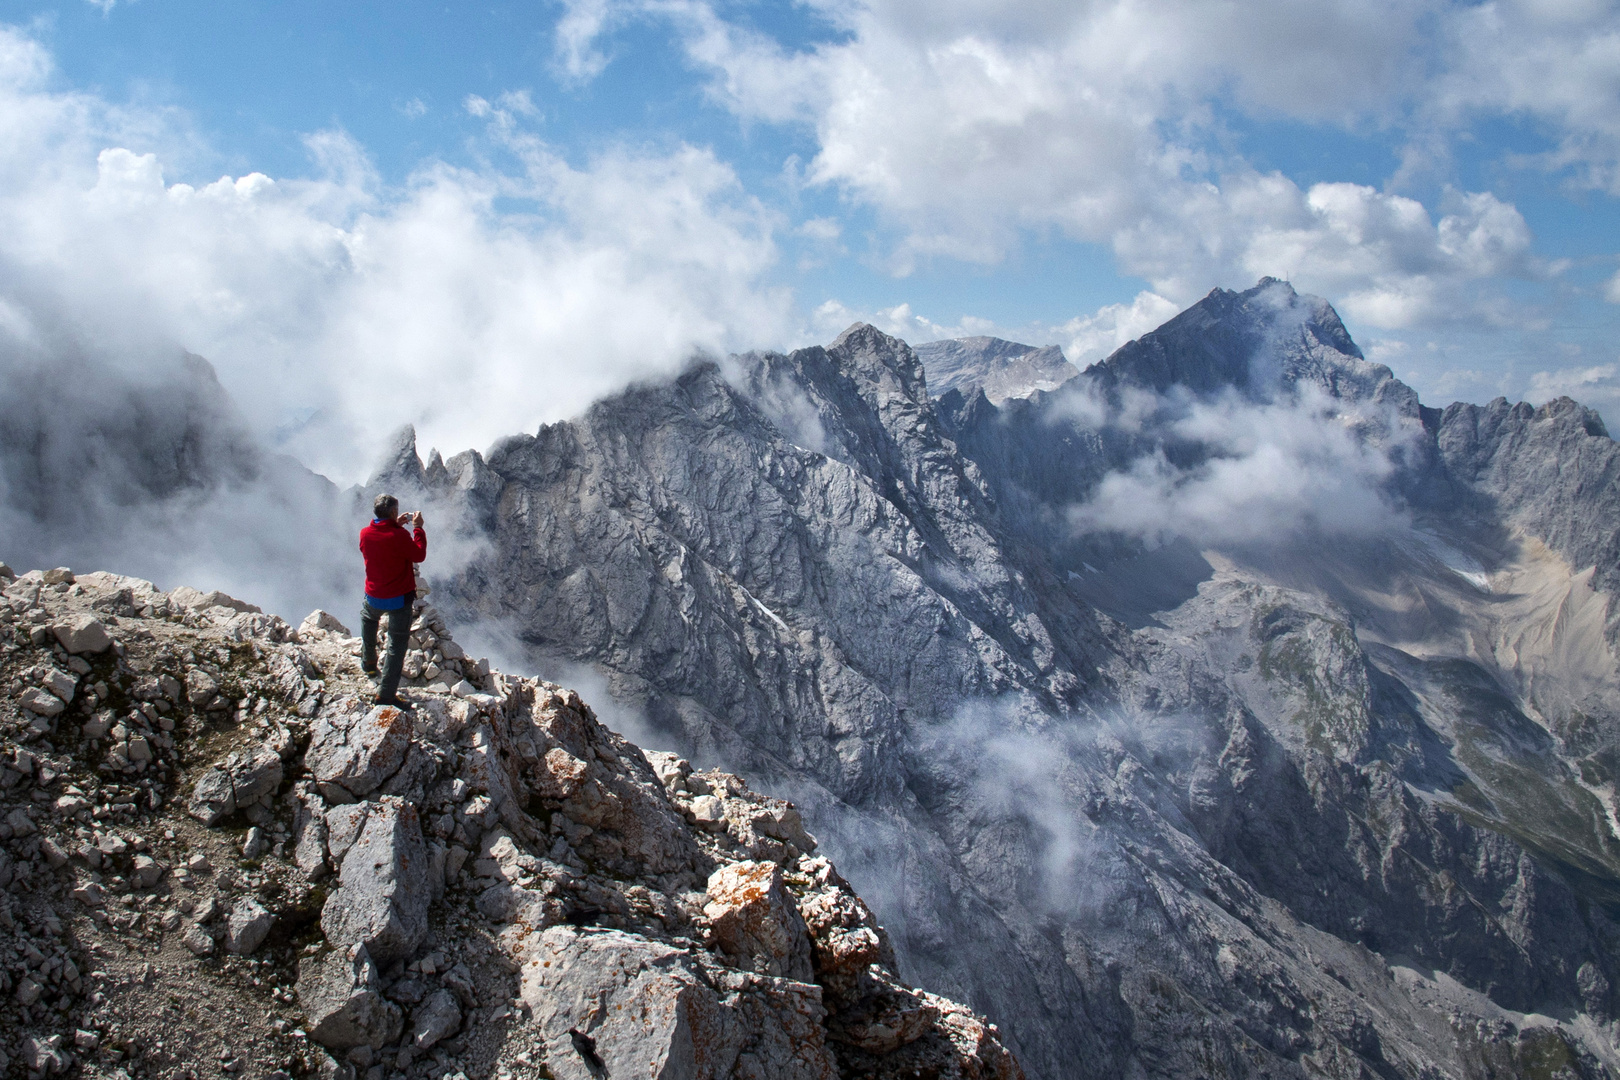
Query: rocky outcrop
point(491, 882)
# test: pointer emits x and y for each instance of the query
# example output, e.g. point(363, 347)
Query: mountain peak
point(884, 362)
point(1259, 342)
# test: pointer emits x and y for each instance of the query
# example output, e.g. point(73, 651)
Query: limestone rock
point(309, 836)
point(195, 600)
point(201, 687)
point(247, 925)
point(358, 753)
point(437, 1018)
point(323, 622)
point(343, 825)
point(44, 1054)
point(342, 1000)
point(236, 783)
point(147, 871)
point(382, 897)
point(40, 702)
point(82, 634)
point(755, 920)
point(614, 1004)
point(198, 940)
point(60, 683)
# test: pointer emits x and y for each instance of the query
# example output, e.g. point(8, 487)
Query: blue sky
point(535, 203)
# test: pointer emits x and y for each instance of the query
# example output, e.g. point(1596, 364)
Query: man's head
point(385, 507)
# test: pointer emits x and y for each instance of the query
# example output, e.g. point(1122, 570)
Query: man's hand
point(416, 519)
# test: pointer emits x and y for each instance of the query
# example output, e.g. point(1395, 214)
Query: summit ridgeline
point(216, 856)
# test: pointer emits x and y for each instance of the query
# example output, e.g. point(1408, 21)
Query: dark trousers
point(399, 637)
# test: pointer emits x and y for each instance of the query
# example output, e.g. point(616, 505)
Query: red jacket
point(389, 552)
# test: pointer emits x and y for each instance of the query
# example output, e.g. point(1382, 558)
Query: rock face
point(382, 897)
point(1317, 805)
point(289, 882)
point(1002, 369)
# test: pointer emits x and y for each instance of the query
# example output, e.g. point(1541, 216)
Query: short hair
point(382, 504)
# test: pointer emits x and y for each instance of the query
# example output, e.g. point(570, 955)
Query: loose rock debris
point(217, 859)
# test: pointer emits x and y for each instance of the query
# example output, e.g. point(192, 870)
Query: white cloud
point(971, 124)
point(1597, 387)
point(1611, 289)
point(359, 307)
point(1089, 338)
point(1556, 64)
point(1272, 471)
point(576, 57)
point(823, 229)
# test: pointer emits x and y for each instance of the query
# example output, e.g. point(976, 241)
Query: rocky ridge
point(217, 858)
point(1002, 369)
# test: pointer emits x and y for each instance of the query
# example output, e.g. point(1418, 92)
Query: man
point(391, 554)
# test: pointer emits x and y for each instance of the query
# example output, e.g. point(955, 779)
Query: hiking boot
point(371, 673)
point(396, 702)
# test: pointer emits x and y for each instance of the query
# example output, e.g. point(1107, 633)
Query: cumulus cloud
point(971, 125)
point(1089, 338)
point(1556, 65)
point(335, 308)
point(473, 302)
point(1388, 263)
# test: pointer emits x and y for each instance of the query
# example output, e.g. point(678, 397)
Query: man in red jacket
point(391, 554)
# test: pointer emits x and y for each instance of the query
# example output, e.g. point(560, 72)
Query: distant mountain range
point(1002, 369)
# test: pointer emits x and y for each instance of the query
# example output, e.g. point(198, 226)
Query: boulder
point(614, 1004)
point(247, 926)
point(38, 701)
point(439, 1017)
point(756, 921)
point(357, 753)
point(82, 634)
point(342, 1001)
point(201, 687)
point(235, 784)
point(60, 683)
point(59, 576)
point(382, 897)
point(322, 621)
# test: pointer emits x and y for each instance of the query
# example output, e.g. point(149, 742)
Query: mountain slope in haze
point(148, 468)
point(1002, 369)
point(1290, 784)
